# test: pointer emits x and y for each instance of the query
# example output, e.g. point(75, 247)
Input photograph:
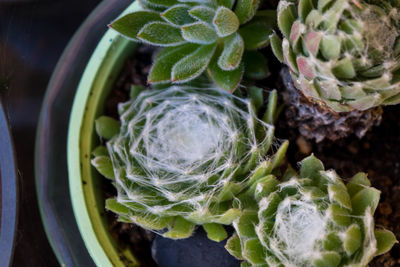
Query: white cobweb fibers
point(175, 145)
point(299, 228)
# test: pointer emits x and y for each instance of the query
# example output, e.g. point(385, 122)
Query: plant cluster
point(220, 37)
point(184, 156)
point(342, 54)
point(180, 156)
point(309, 219)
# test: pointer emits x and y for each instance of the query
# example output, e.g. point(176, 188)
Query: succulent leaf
point(340, 45)
point(161, 70)
point(193, 64)
point(235, 25)
point(225, 21)
point(107, 127)
point(178, 15)
point(131, 24)
point(161, 33)
point(308, 220)
point(232, 54)
point(199, 33)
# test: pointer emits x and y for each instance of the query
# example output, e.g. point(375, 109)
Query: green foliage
point(342, 54)
point(181, 156)
point(194, 32)
point(309, 219)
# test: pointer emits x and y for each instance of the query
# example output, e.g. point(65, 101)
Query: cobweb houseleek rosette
point(181, 155)
point(220, 37)
point(310, 219)
point(342, 54)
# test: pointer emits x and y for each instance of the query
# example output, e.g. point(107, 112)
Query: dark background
point(33, 34)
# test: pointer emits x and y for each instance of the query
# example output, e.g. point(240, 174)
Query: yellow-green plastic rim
point(84, 182)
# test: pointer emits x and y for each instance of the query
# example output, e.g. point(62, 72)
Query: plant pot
point(85, 183)
point(8, 192)
point(51, 171)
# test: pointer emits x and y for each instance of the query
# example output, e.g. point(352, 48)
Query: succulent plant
point(309, 219)
point(313, 121)
point(342, 54)
point(179, 156)
point(220, 37)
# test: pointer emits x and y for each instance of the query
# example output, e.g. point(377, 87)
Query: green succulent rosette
point(178, 157)
point(309, 219)
point(342, 54)
point(220, 37)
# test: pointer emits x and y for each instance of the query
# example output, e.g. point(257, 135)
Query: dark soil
point(378, 154)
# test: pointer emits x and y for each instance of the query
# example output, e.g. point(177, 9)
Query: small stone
point(304, 146)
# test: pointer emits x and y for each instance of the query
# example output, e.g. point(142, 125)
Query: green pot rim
point(87, 201)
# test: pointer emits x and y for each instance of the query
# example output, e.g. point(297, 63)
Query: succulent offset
point(342, 54)
point(309, 219)
point(179, 156)
point(220, 37)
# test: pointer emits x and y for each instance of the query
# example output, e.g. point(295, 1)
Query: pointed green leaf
point(253, 251)
point(152, 222)
point(276, 45)
point(120, 209)
point(305, 7)
point(310, 168)
point(215, 232)
point(384, 241)
point(279, 155)
point(338, 194)
point(328, 259)
point(265, 186)
point(100, 151)
point(130, 24)
point(225, 22)
point(231, 56)
point(255, 65)
point(104, 166)
point(161, 33)
point(340, 215)
point(271, 112)
point(161, 70)
point(226, 3)
point(269, 206)
point(107, 127)
point(352, 239)
point(193, 65)
point(344, 69)
point(367, 197)
point(179, 229)
point(357, 183)
point(178, 15)
point(289, 56)
point(256, 96)
point(203, 13)
point(330, 46)
point(245, 225)
point(228, 217)
point(234, 247)
point(256, 33)
point(286, 17)
point(226, 80)
point(199, 33)
point(333, 242)
point(246, 9)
